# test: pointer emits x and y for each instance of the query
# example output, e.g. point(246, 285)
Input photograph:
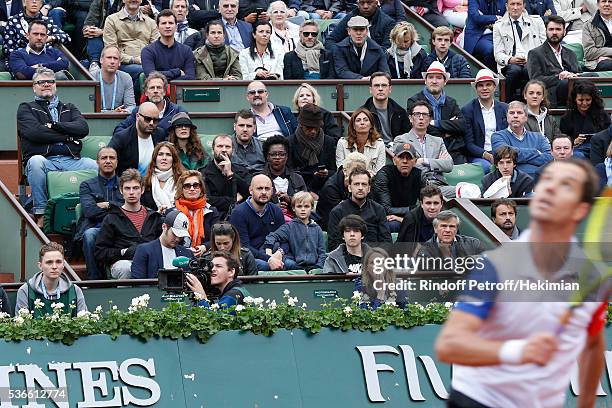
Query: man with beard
point(226, 183)
point(359, 204)
point(271, 119)
point(447, 121)
point(247, 150)
point(379, 24)
point(312, 152)
point(553, 64)
point(155, 87)
point(24, 61)
point(396, 185)
point(255, 219)
point(135, 144)
point(308, 60)
point(503, 214)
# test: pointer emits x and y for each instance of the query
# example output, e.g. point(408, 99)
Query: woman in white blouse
point(362, 137)
point(285, 34)
point(261, 60)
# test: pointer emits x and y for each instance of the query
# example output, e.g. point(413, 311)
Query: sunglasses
point(149, 118)
point(222, 228)
point(230, 6)
point(189, 186)
point(257, 92)
point(45, 82)
point(309, 34)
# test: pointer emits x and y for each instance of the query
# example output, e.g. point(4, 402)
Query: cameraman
point(223, 277)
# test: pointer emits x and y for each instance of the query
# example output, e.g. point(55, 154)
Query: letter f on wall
point(371, 369)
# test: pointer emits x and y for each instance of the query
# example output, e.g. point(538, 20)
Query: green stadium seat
point(61, 182)
point(282, 273)
point(207, 141)
point(323, 24)
point(316, 271)
point(325, 241)
point(5, 76)
point(77, 212)
point(394, 236)
point(578, 50)
point(468, 172)
point(91, 145)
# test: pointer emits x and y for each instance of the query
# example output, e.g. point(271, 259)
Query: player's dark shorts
point(459, 400)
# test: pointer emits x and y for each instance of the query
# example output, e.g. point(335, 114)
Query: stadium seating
point(91, 145)
point(468, 172)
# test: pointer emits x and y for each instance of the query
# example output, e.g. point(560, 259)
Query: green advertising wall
point(289, 369)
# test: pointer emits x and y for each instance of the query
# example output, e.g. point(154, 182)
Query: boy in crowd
point(347, 257)
point(301, 240)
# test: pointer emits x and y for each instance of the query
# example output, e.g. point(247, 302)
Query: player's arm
point(591, 364)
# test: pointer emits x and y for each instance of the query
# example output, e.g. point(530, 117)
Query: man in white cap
point(447, 121)
point(159, 253)
point(513, 36)
point(483, 116)
point(358, 56)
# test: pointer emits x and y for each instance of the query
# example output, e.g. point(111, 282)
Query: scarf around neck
point(405, 55)
point(311, 148)
point(436, 104)
point(53, 103)
point(309, 55)
point(194, 210)
point(163, 197)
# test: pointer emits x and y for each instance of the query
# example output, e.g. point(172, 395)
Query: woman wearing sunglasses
point(191, 201)
point(225, 237)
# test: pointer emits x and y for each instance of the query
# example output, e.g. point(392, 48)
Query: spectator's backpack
point(60, 215)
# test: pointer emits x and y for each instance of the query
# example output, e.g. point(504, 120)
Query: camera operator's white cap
point(178, 223)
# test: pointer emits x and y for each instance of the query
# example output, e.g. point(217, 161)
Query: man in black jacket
point(227, 183)
point(336, 188)
point(370, 211)
point(390, 118)
point(50, 133)
point(519, 183)
point(599, 145)
point(308, 60)
point(312, 152)
point(125, 227)
point(135, 144)
point(358, 56)
point(5, 305)
point(396, 185)
point(447, 121)
point(446, 243)
point(380, 25)
point(428, 9)
point(417, 226)
point(96, 196)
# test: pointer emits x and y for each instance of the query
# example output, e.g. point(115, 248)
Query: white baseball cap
point(178, 223)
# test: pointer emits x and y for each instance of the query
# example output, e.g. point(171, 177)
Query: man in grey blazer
point(553, 64)
point(434, 159)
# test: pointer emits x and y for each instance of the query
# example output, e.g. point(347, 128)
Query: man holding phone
point(312, 152)
point(253, 10)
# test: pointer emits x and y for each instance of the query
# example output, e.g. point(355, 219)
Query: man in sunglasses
point(308, 60)
point(51, 133)
point(135, 144)
point(270, 119)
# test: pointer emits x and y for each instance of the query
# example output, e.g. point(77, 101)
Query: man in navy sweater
point(255, 219)
point(166, 55)
point(24, 61)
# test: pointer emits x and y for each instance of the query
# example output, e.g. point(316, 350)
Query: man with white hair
point(180, 9)
point(532, 147)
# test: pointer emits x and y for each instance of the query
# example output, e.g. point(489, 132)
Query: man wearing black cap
point(312, 152)
point(396, 186)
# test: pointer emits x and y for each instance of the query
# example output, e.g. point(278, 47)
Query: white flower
point(140, 302)
point(240, 308)
point(197, 296)
point(286, 292)
point(99, 309)
point(292, 301)
point(95, 317)
point(448, 305)
point(258, 301)
point(38, 303)
point(24, 313)
point(84, 314)
point(304, 306)
point(19, 320)
point(57, 306)
point(390, 302)
point(348, 310)
point(54, 317)
point(146, 297)
point(272, 305)
point(356, 296)
point(214, 306)
point(248, 300)
point(114, 307)
point(4, 315)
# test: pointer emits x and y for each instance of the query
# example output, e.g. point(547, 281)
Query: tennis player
point(518, 353)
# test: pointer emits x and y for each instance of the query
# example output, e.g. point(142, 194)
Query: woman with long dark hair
point(161, 177)
point(585, 116)
point(225, 237)
point(182, 134)
point(261, 60)
point(362, 137)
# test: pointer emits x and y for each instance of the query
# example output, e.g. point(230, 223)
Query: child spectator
point(301, 240)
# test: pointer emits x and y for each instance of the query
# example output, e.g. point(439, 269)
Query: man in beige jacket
point(597, 38)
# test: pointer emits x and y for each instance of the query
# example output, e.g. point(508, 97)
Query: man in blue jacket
point(155, 87)
point(532, 147)
point(255, 219)
point(24, 61)
point(483, 116)
point(478, 37)
point(456, 65)
point(96, 196)
point(270, 119)
point(158, 254)
point(379, 23)
point(238, 33)
point(358, 56)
